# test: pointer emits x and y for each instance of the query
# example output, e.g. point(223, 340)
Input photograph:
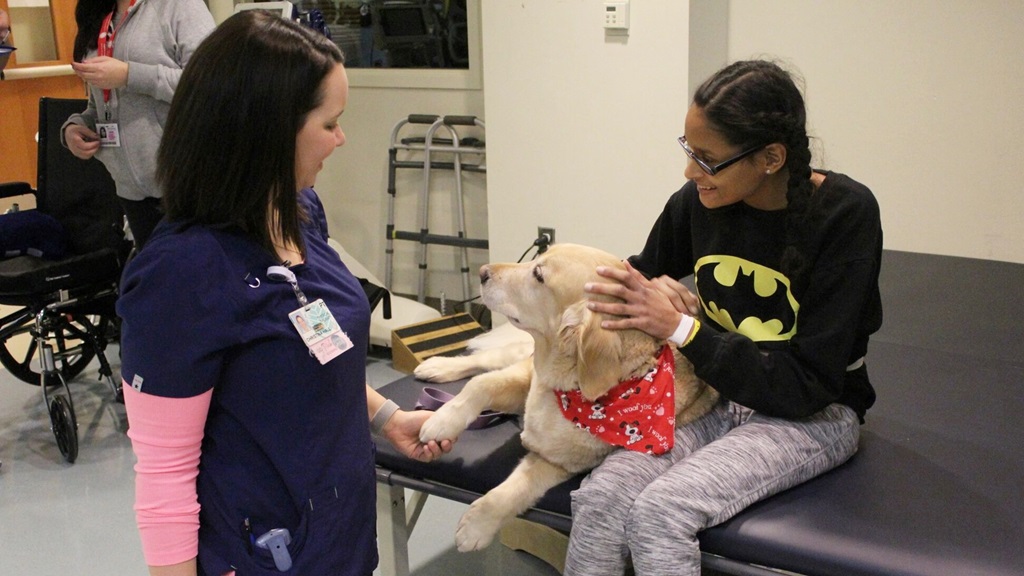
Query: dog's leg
point(451, 368)
point(503, 390)
point(523, 488)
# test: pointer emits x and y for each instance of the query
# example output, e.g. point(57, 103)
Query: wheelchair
point(59, 273)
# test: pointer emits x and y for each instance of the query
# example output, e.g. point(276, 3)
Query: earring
point(768, 171)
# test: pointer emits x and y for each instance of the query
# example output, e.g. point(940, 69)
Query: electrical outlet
point(550, 232)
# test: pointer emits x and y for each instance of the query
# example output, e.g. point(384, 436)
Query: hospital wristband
point(688, 326)
point(382, 416)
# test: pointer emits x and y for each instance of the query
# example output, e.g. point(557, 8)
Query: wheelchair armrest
point(11, 189)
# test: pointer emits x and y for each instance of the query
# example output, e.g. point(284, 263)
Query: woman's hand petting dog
point(652, 306)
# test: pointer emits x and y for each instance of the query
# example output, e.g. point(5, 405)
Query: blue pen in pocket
point(250, 540)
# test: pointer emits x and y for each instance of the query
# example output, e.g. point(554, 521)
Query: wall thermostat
point(616, 15)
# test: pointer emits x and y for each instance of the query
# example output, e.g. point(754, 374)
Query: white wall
point(582, 127)
point(920, 100)
point(353, 187)
point(353, 182)
point(917, 99)
point(580, 135)
point(33, 30)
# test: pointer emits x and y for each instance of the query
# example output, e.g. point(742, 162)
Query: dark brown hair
point(227, 158)
point(756, 102)
point(89, 15)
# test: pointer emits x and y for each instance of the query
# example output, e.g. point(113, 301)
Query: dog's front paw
point(441, 369)
point(445, 424)
point(477, 528)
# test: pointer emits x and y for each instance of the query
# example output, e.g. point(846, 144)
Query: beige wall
point(353, 186)
point(918, 99)
point(582, 125)
point(33, 30)
point(353, 183)
point(581, 132)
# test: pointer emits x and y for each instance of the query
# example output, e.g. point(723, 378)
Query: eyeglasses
point(712, 170)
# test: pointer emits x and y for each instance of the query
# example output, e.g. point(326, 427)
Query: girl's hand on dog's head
point(680, 296)
point(645, 304)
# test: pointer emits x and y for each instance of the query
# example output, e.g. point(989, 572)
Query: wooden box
point(447, 336)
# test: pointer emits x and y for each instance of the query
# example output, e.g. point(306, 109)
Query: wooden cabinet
point(26, 82)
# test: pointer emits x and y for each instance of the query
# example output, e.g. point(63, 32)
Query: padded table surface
point(937, 487)
point(480, 460)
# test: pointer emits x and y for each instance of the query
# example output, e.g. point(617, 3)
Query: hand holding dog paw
point(445, 424)
point(403, 433)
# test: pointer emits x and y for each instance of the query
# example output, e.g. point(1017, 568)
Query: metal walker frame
point(428, 145)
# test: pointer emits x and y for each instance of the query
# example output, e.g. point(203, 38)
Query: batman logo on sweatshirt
point(745, 297)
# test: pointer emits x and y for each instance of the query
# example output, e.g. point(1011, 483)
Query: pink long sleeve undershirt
point(166, 435)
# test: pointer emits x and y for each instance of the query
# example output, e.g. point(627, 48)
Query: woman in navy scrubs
point(244, 335)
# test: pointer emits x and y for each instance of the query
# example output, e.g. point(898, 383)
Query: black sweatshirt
point(775, 347)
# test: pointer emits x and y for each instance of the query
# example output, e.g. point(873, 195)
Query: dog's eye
point(538, 274)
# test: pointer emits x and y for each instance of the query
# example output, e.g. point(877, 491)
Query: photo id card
point(321, 333)
point(109, 137)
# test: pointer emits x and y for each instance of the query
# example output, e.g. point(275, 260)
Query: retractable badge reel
point(313, 320)
point(283, 274)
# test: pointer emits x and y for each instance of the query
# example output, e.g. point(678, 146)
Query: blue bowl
point(5, 54)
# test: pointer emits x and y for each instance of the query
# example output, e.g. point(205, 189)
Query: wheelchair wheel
point(65, 428)
point(72, 353)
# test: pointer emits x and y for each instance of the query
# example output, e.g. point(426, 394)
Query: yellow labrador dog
point(571, 352)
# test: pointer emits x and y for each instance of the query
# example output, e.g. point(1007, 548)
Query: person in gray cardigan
point(131, 54)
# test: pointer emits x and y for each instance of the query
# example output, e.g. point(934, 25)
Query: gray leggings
point(652, 507)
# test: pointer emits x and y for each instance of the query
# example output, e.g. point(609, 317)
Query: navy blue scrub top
point(287, 442)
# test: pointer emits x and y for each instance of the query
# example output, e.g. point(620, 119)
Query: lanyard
point(105, 45)
point(313, 321)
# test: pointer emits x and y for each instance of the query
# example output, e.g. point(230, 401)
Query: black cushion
point(25, 279)
point(936, 487)
point(481, 459)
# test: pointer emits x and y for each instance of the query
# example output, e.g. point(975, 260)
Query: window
point(403, 43)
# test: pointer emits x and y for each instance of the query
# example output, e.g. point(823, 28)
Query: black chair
point(60, 272)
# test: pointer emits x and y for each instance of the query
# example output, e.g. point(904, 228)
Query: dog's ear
point(596, 350)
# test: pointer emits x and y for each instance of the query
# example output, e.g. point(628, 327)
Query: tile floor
point(59, 519)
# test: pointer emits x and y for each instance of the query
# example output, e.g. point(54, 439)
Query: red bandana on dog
point(636, 414)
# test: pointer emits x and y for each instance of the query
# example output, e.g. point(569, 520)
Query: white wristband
point(682, 333)
point(381, 417)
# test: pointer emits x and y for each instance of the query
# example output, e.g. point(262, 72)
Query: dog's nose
point(485, 274)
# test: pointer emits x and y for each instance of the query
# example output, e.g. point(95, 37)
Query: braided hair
point(754, 103)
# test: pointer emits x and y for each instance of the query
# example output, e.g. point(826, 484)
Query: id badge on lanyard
point(110, 136)
point(313, 321)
